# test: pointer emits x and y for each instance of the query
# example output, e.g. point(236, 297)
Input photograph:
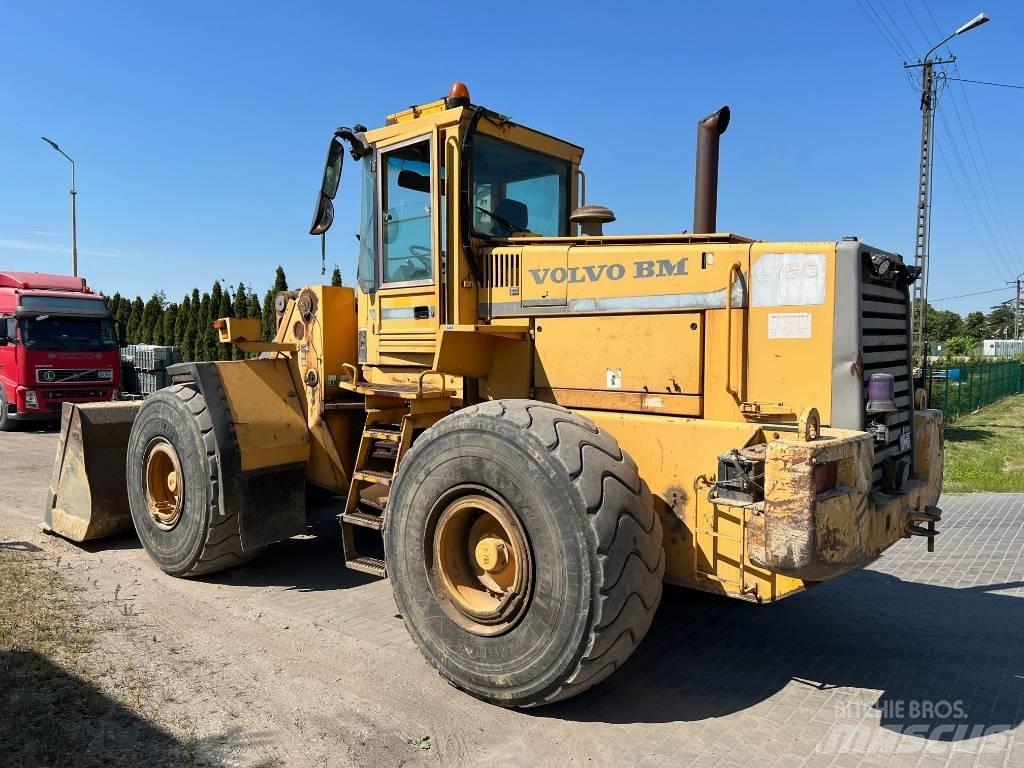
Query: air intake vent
point(503, 270)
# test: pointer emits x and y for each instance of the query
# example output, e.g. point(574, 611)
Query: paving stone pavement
point(917, 660)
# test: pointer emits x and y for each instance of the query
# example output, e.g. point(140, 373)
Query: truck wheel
point(524, 551)
point(173, 486)
point(7, 424)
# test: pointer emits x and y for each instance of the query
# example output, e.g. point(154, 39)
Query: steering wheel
point(421, 253)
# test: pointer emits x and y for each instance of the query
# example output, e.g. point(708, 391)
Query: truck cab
point(58, 343)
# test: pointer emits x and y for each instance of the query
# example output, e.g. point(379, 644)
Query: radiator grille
point(59, 375)
point(885, 348)
point(502, 270)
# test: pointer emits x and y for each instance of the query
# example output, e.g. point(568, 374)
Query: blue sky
point(199, 129)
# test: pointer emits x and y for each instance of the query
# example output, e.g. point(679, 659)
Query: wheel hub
point(480, 569)
point(163, 484)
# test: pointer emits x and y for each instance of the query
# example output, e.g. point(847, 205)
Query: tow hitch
point(922, 523)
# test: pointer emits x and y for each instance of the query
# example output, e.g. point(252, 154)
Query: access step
point(344, 405)
point(367, 564)
point(364, 519)
point(369, 476)
point(389, 434)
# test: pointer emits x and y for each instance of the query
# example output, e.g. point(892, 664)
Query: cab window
point(518, 191)
point(406, 215)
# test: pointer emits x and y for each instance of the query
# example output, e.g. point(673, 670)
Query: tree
point(336, 277)
point(943, 324)
point(189, 345)
point(204, 324)
point(269, 317)
point(280, 281)
point(999, 323)
point(181, 321)
point(960, 346)
point(974, 326)
point(240, 304)
point(254, 307)
point(124, 310)
point(151, 329)
point(135, 321)
point(114, 304)
point(169, 319)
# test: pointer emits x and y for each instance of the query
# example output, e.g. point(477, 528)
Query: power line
point(1001, 239)
point(1008, 240)
point(986, 82)
point(880, 26)
point(967, 295)
point(963, 202)
point(913, 17)
point(897, 27)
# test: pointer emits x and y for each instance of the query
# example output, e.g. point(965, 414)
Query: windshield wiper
point(512, 228)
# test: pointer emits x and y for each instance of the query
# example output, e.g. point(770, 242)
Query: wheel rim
point(479, 564)
point(164, 489)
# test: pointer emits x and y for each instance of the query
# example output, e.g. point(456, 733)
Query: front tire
point(580, 562)
point(173, 486)
point(7, 424)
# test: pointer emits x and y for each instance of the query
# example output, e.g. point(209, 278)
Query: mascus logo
point(596, 272)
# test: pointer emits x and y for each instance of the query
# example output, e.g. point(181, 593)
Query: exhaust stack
point(705, 193)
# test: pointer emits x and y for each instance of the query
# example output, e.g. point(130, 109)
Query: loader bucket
point(88, 495)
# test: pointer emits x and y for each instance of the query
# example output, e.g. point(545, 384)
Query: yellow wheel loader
point(535, 424)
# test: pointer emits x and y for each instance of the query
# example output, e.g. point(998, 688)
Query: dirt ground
point(295, 661)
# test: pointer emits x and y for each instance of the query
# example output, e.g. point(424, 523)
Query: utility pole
point(922, 236)
point(74, 208)
point(1016, 306)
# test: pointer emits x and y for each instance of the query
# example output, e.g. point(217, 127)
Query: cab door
point(408, 209)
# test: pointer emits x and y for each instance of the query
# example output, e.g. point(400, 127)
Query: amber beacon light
point(458, 95)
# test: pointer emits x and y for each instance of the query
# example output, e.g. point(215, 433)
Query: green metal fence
point(963, 388)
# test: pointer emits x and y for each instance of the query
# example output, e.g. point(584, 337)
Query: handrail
point(355, 372)
point(423, 375)
point(735, 268)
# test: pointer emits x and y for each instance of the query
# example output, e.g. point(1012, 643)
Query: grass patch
point(66, 698)
point(985, 450)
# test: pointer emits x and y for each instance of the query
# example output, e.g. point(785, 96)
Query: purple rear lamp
point(881, 393)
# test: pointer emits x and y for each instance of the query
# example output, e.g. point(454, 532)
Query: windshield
point(517, 190)
point(60, 333)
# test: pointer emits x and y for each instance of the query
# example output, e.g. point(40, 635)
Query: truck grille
point(885, 348)
point(60, 375)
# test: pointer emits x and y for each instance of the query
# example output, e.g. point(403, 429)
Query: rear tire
point(181, 529)
point(593, 568)
point(7, 424)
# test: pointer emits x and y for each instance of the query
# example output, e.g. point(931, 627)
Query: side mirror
point(122, 334)
point(324, 216)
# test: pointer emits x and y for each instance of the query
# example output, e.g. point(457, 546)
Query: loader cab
point(439, 183)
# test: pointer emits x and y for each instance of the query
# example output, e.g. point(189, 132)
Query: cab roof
point(40, 281)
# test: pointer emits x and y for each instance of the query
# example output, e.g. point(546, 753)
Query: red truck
point(58, 342)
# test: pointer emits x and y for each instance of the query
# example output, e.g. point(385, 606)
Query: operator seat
point(515, 213)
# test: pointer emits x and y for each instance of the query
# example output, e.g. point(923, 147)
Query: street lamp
point(74, 211)
point(922, 241)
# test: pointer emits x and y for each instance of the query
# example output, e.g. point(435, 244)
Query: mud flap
point(270, 502)
point(88, 495)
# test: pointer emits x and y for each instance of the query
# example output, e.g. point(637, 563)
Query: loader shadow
point(310, 562)
point(53, 717)
point(949, 662)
